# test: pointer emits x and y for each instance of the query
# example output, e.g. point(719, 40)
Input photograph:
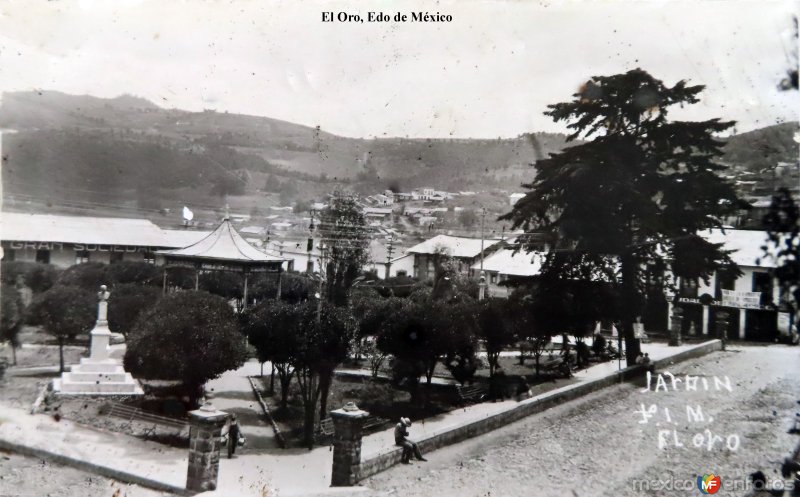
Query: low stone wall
point(93, 468)
point(528, 407)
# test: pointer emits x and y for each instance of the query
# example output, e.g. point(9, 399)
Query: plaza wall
point(526, 408)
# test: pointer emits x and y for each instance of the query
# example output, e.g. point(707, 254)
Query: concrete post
point(675, 331)
point(347, 424)
point(204, 445)
point(722, 326)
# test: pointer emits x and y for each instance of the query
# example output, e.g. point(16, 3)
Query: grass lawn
point(377, 397)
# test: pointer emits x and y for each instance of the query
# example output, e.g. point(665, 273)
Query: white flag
point(187, 214)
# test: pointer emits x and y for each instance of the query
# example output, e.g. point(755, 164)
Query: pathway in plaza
point(261, 468)
point(233, 394)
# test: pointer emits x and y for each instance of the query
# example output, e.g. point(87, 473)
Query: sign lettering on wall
point(88, 247)
point(744, 300)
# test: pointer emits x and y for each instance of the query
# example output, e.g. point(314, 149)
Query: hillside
point(129, 151)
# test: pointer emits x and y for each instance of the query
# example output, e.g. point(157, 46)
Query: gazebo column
point(280, 274)
point(196, 278)
point(164, 285)
point(244, 298)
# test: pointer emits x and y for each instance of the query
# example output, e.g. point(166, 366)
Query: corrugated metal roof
point(77, 229)
point(452, 245)
point(225, 244)
point(183, 238)
point(511, 263)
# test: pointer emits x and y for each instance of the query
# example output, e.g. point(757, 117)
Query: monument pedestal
point(98, 374)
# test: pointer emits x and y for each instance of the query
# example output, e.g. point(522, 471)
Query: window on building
point(9, 255)
point(725, 280)
point(115, 257)
point(762, 282)
point(290, 265)
point(310, 266)
point(149, 257)
point(493, 278)
point(81, 256)
point(43, 256)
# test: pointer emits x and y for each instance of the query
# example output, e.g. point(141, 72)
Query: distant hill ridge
point(127, 149)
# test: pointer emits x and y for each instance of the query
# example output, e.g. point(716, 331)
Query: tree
point(637, 190)
point(323, 343)
point(11, 317)
point(228, 183)
point(125, 272)
point(65, 312)
point(468, 218)
point(189, 336)
point(226, 284)
point(127, 302)
point(423, 333)
point(782, 223)
point(494, 326)
point(295, 287)
point(88, 276)
point(346, 242)
point(272, 328)
point(371, 313)
point(36, 276)
point(301, 206)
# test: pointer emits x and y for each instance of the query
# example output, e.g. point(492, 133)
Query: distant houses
point(465, 251)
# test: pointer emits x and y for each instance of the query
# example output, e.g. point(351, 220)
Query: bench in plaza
point(471, 393)
point(556, 366)
point(135, 414)
point(326, 428)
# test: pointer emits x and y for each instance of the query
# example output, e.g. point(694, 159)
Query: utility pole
point(483, 220)
point(389, 251)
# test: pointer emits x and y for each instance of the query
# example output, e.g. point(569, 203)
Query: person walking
point(401, 438)
point(233, 432)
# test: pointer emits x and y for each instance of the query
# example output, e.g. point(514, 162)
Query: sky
point(490, 72)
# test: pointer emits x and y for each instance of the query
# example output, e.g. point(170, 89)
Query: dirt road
point(597, 446)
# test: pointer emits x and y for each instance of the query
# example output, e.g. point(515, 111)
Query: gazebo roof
point(223, 245)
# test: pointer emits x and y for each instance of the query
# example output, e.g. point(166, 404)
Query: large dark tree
point(127, 302)
point(345, 242)
point(782, 222)
point(637, 189)
point(190, 336)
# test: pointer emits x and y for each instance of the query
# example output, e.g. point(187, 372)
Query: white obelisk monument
point(98, 374)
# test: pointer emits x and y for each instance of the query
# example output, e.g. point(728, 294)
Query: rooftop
point(746, 245)
point(452, 245)
point(78, 229)
point(222, 244)
point(512, 263)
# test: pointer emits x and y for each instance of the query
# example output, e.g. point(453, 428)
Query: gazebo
point(222, 250)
